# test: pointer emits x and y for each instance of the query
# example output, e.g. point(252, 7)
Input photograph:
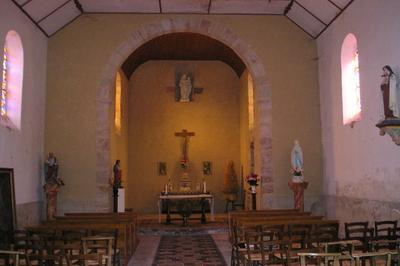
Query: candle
point(204, 186)
point(166, 189)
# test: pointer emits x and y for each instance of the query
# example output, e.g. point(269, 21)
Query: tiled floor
point(148, 245)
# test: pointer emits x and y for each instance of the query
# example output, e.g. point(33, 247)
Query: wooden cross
point(185, 134)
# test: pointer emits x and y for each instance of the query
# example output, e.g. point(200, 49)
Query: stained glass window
point(117, 118)
point(12, 72)
point(250, 101)
point(351, 98)
point(3, 101)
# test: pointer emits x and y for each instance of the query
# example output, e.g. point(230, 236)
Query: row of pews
point(286, 236)
point(67, 235)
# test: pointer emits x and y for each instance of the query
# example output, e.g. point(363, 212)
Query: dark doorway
point(7, 207)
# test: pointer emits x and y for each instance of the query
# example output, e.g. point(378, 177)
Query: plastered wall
point(22, 149)
point(119, 140)
point(78, 53)
point(155, 116)
point(361, 168)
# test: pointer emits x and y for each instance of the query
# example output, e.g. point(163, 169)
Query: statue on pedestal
point(390, 123)
point(297, 184)
point(52, 186)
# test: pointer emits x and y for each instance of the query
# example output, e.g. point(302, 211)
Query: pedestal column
point(298, 191)
point(51, 190)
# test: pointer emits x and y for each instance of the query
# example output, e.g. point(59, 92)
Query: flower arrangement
point(252, 179)
point(297, 171)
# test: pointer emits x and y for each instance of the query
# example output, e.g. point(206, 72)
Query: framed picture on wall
point(7, 207)
point(207, 168)
point(162, 168)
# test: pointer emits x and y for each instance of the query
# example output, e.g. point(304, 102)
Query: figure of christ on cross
point(185, 134)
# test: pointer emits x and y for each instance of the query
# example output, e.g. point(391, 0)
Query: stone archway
point(217, 31)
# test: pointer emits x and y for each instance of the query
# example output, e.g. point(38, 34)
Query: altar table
point(208, 197)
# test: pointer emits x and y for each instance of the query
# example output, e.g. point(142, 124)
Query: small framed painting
point(162, 168)
point(207, 168)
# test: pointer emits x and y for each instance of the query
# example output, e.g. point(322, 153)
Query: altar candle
point(166, 189)
point(204, 187)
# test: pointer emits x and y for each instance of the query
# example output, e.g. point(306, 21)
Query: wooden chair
point(100, 245)
point(300, 240)
point(335, 257)
point(114, 233)
point(359, 258)
point(238, 242)
point(10, 257)
point(359, 231)
point(86, 259)
point(45, 259)
point(383, 231)
point(262, 250)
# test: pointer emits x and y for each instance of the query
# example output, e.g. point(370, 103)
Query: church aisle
point(146, 252)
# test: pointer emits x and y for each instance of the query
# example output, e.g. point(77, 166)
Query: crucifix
point(185, 134)
point(184, 89)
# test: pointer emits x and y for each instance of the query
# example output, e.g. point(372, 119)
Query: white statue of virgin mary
point(297, 162)
point(185, 87)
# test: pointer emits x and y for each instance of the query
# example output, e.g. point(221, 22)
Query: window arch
point(351, 99)
point(118, 94)
point(12, 80)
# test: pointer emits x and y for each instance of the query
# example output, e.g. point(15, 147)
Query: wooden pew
point(108, 215)
point(283, 213)
point(281, 223)
point(127, 233)
point(277, 212)
point(122, 227)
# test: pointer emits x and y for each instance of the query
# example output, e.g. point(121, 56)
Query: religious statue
point(117, 182)
point(390, 93)
point(185, 88)
point(53, 184)
point(297, 184)
point(297, 162)
point(231, 185)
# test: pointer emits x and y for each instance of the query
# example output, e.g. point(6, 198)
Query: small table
point(208, 197)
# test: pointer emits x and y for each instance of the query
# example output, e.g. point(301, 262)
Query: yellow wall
point(154, 117)
point(78, 54)
point(244, 130)
point(119, 140)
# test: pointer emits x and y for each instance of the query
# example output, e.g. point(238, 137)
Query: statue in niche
point(185, 88)
point(389, 93)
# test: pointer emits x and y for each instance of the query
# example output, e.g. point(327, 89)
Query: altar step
point(148, 225)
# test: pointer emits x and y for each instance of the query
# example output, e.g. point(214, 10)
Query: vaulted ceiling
point(183, 46)
point(312, 16)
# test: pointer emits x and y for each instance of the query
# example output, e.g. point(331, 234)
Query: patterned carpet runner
point(188, 250)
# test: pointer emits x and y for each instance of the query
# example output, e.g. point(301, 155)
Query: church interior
point(186, 132)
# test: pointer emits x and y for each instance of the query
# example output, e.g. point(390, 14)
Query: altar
point(166, 202)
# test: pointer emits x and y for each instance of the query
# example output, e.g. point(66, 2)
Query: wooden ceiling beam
point(53, 11)
point(30, 18)
point(309, 12)
point(333, 3)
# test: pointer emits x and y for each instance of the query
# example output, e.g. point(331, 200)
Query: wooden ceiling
point(183, 46)
point(312, 16)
